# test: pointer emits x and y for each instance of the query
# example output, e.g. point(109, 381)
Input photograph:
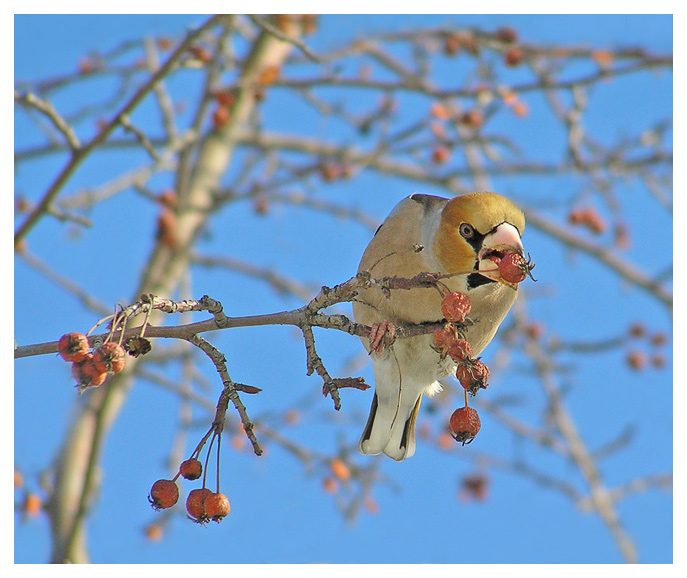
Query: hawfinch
point(431, 234)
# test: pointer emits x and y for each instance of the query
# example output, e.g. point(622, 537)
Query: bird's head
point(474, 232)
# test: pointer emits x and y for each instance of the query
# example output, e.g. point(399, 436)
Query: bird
point(462, 237)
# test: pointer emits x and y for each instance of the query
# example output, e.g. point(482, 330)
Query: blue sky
point(279, 512)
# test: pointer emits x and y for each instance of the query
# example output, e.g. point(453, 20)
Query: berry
point(455, 307)
point(636, 360)
point(164, 494)
point(217, 507)
point(460, 350)
point(440, 155)
point(195, 504)
point(444, 337)
point(472, 118)
point(87, 374)
point(73, 346)
point(473, 376)
point(191, 469)
point(465, 424)
point(514, 268)
point(220, 117)
point(514, 56)
point(109, 357)
point(340, 470)
point(506, 34)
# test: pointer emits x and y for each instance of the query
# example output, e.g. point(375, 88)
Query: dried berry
point(460, 351)
point(164, 494)
point(473, 376)
point(86, 373)
point(444, 337)
point(514, 268)
point(195, 504)
point(109, 357)
point(217, 507)
point(465, 424)
point(73, 346)
point(191, 469)
point(455, 307)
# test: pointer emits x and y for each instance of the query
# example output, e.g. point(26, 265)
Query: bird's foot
point(381, 335)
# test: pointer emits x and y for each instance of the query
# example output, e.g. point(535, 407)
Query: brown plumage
point(455, 234)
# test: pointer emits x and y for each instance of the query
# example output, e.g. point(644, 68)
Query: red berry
point(109, 357)
point(506, 34)
point(73, 346)
point(455, 307)
point(465, 424)
point(195, 504)
point(440, 155)
point(217, 507)
point(191, 469)
point(444, 337)
point(514, 56)
point(460, 350)
point(636, 360)
point(513, 267)
point(164, 494)
point(473, 376)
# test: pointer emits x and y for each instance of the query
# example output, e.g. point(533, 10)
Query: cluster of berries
point(202, 504)
point(472, 373)
point(91, 368)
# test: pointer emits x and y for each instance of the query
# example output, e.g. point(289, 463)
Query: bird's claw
point(381, 334)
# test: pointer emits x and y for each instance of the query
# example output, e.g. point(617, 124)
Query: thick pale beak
point(504, 239)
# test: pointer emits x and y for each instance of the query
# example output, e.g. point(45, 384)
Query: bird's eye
point(466, 231)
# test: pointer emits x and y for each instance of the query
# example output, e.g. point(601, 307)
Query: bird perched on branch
point(463, 237)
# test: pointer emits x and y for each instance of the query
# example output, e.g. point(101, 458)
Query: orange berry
point(330, 485)
point(87, 374)
point(108, 357)
point(513, 267)
point(195, 504)
point(340, 470)
point(217, 507)
point(32, 504)
point(521, 109)
point(73, 346)
point(191, 469)
point(164, 494)
point(153, 532)
point(440, 111)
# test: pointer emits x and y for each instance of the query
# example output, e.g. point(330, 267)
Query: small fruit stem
point(466, 397)
point(219, 443)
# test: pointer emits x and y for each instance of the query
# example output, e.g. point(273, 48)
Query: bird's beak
point(504, 239)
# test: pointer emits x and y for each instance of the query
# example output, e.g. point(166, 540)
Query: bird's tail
point(390, 429)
